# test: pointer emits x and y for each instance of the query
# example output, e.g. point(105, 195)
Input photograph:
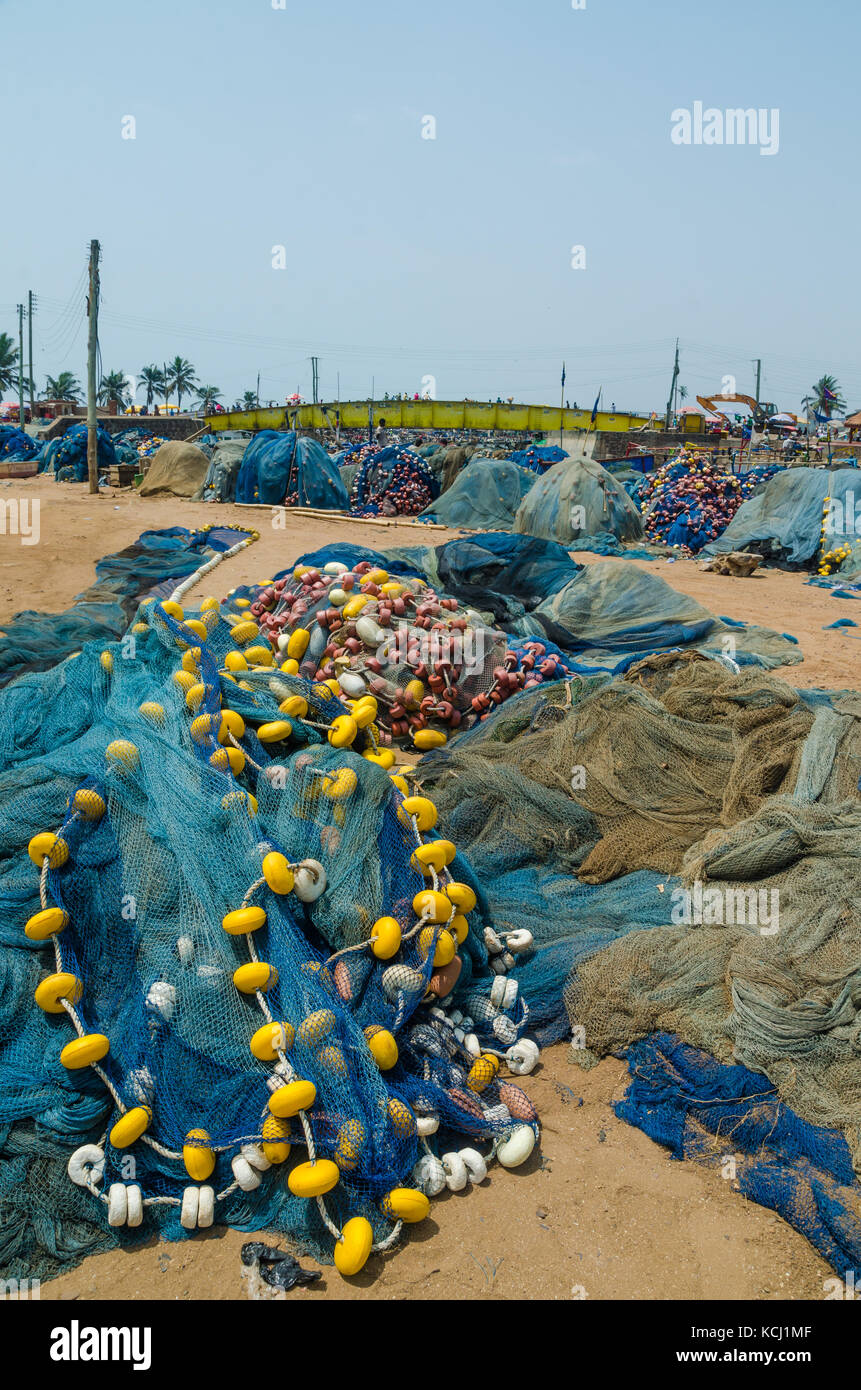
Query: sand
point(601, 1212)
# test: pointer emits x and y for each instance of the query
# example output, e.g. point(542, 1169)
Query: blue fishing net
point(34, 641)
point(176, 842)
point(538, 457)
point(578, 498)
point(785, 522)
point(279, 467)
point(66, 457)
point(392, 481)
point(728, 1118)
point(484, 496)
point(16, 445)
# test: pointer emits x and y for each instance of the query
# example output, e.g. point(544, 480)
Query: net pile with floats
point(246, 981)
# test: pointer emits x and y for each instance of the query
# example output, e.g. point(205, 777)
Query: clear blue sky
point(301, 127)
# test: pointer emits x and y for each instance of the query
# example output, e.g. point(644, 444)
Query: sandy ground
point(602, 1212)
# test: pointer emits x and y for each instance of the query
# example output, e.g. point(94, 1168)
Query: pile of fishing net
point(578, 499)
point(177, 469)
point(800, 515)
point(538, 457)
point(16, 445)
point(225, 460)
point(66, 456)
point(136, 443)
point(281, 468)
point(687, 841)
point(391, 481)
point(430, 664)
point(690, 501)
point(155, 563)
point(484, 496)
point(246, 980)
point(602, 616)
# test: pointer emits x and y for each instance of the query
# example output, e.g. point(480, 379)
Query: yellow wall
point(439, 415)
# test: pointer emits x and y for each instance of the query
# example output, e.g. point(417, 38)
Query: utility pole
point(30, 308)
point(92, 347)
point(257, 397)
point(20, 366)
point(672, 387)
point(758, 376)
point(315, 378)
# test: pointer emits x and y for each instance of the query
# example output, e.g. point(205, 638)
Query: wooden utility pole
point(92, 349)
point(30, 307)
point(21, 366)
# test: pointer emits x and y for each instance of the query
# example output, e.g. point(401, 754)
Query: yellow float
point(224, 758)
point(354, 1247)
point(48, 846)
point(315, 1027)
point(445, 947)
point(420, 809)
point(123, 754)
point(297, 643)
point(131, 1126)
point(51, 991)
point(385, 938)
point(275, 732)
point(288, 1100)
point(276, 1139)
point(461, 895)
point(231, 723)
point(343, 731)
point(352, 1137)
point(405, 1204)
point(45, 924)
point(433, 905)
point(242, 920)
point(313, 1179)
point(341, 784)
point(384, 1049)
point(82, 1052)
point(277, 873)
point(197, 1156)
point(272, 1039)
point(255, 975)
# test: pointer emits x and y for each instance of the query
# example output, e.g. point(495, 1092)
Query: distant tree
point(825, 397)
point(181, 377)
point(64, 387)
point(152, 378)
point(114, 386)
point(249, 401)
point(683, 393)
point(8, 363)
point(207, 396)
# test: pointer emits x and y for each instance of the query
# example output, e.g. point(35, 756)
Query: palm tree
point(152, 378)
point(683, 393)
point(207, 396)
point(825, 397)
point(249, 401)
point(8, 363)
point(181, 377)
point(114, 387)
point(64, 387)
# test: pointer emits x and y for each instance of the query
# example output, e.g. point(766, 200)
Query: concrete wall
point(613, 445)
point(170, 426)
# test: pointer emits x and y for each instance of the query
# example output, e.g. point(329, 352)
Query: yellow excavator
point(760, 411)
